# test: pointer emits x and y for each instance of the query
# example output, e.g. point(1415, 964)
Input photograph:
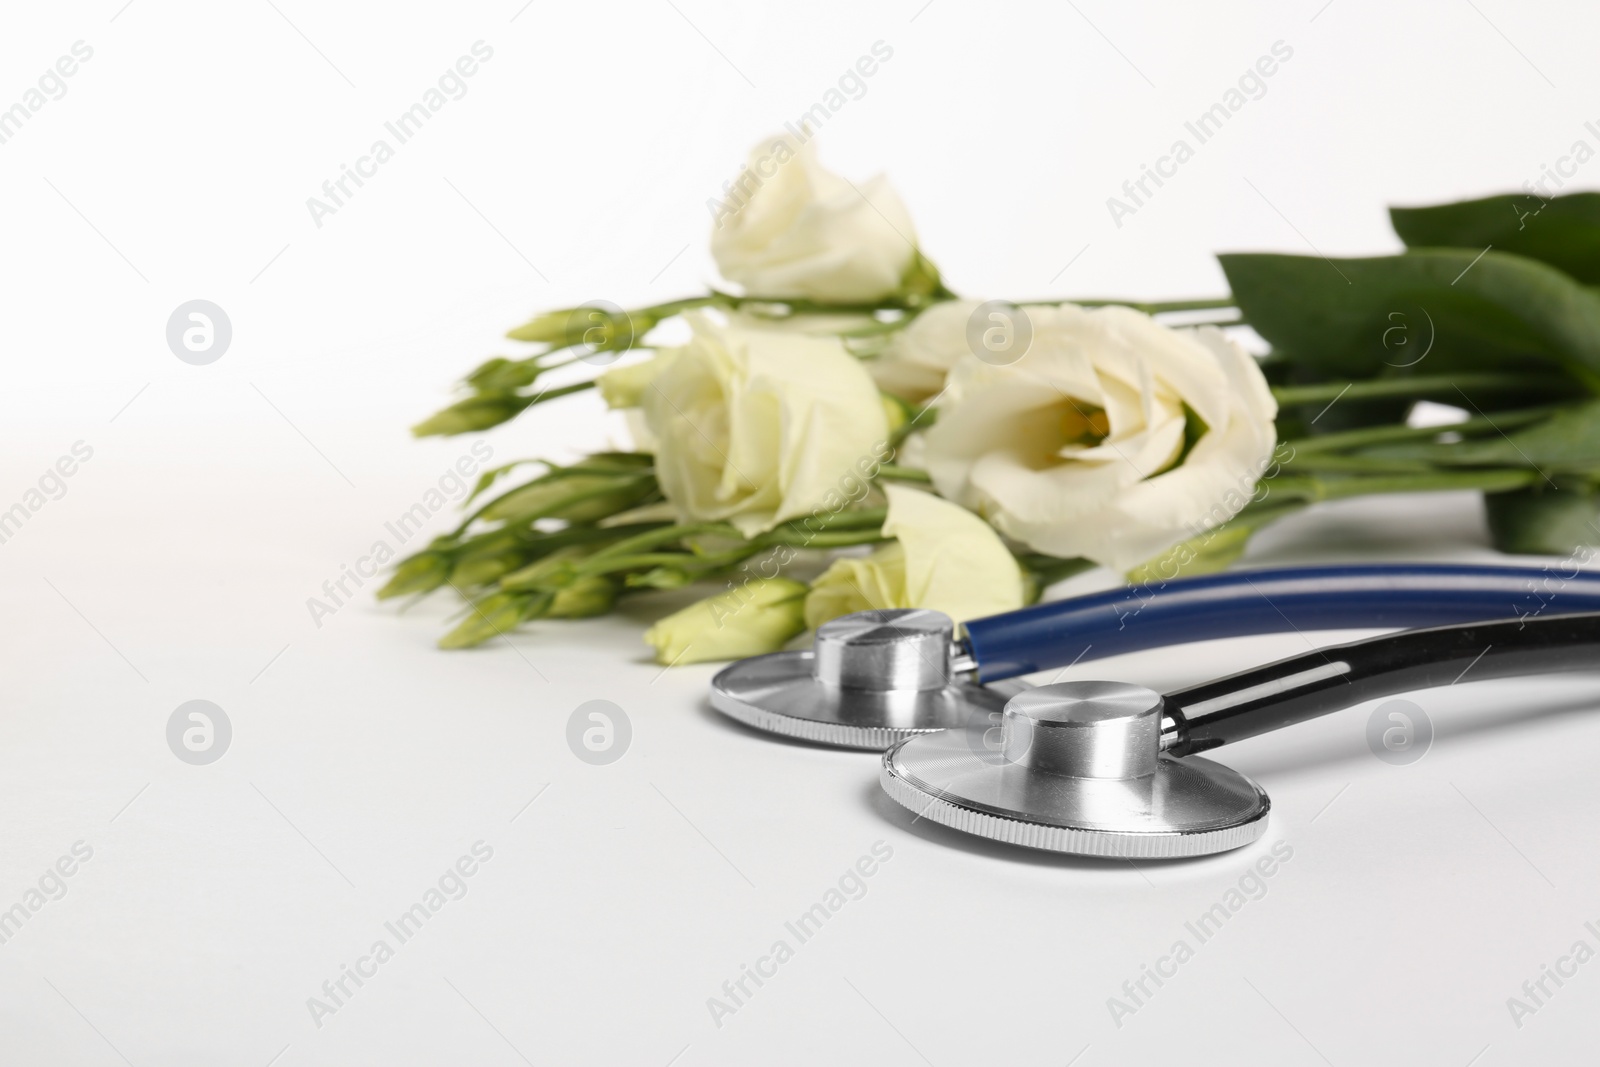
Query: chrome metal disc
point(872, 679)
point(1075, 768)
point(781, 694)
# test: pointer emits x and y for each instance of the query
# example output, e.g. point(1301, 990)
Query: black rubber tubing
point(1330, 679)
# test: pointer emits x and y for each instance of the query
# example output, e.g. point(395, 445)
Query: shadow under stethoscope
point(765, 737)
point(881, 805)
point(910, 822)
point(1261, 758)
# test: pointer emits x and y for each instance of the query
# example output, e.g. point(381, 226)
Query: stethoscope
point(1107, 768)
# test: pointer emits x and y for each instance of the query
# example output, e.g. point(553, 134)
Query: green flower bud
point(485, 563)
point(472, 414)
point(420, 573)
point(759, 616)
point(501, 375)
point(591, 595)
point(492, 616)
point(549, 328)
point(574, 497)
point(549, 573)
point(607, 329)
point(661, 578)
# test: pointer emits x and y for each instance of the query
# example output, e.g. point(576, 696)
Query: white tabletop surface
point(215, 901)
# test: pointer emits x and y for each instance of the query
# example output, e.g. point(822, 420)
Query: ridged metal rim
point(947, 810)
point(844, 735)
point(826, 731)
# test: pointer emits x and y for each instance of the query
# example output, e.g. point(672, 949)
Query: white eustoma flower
point(1078, 447)
point(943, 557)
point(755, 427)
point(790, 229)
point(917, 359)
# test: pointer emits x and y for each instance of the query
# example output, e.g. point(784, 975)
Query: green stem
point(1321, 461)
point(1153, 307)
point(903, 474)
point(545, 541)
point(848, 520)
point(625, 555)
point(1388, 435)
point(682, 560)
point(657, 312)
point(798, 306)
point(824, 539)
point(1311, 487)
point(560, 390)
point(859, 526)
point(816, 307)
point(1259, 513)
point(663, 535)
point(1419, 385)
point(624, 481)
point(545, 367)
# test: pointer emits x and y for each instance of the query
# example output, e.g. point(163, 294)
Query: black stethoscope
point(1110, 769)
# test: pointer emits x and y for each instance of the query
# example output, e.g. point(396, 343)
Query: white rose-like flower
point(790, 229)
point(755, 427)
point(918, 358)
point(942, 557)
point(1075, 448)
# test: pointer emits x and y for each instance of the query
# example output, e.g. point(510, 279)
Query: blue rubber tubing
point(1239, 603)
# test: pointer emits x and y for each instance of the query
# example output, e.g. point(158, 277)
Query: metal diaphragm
point(1077, 768)
point(872, 679)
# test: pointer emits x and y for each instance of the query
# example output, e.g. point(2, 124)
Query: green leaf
point(1562, 231)
point(1437, 311)
point(1543, 522)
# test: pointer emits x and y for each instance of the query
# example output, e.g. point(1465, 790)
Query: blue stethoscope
point(1106, 768)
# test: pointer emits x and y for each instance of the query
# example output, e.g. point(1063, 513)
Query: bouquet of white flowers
point(846, 413)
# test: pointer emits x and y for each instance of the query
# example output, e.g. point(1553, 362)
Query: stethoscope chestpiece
point(872, 679)
point(1076, 767)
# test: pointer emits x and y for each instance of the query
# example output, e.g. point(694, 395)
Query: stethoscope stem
point(1240, 603)
point(1281, 694)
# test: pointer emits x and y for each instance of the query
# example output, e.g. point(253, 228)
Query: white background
point(578, 165)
